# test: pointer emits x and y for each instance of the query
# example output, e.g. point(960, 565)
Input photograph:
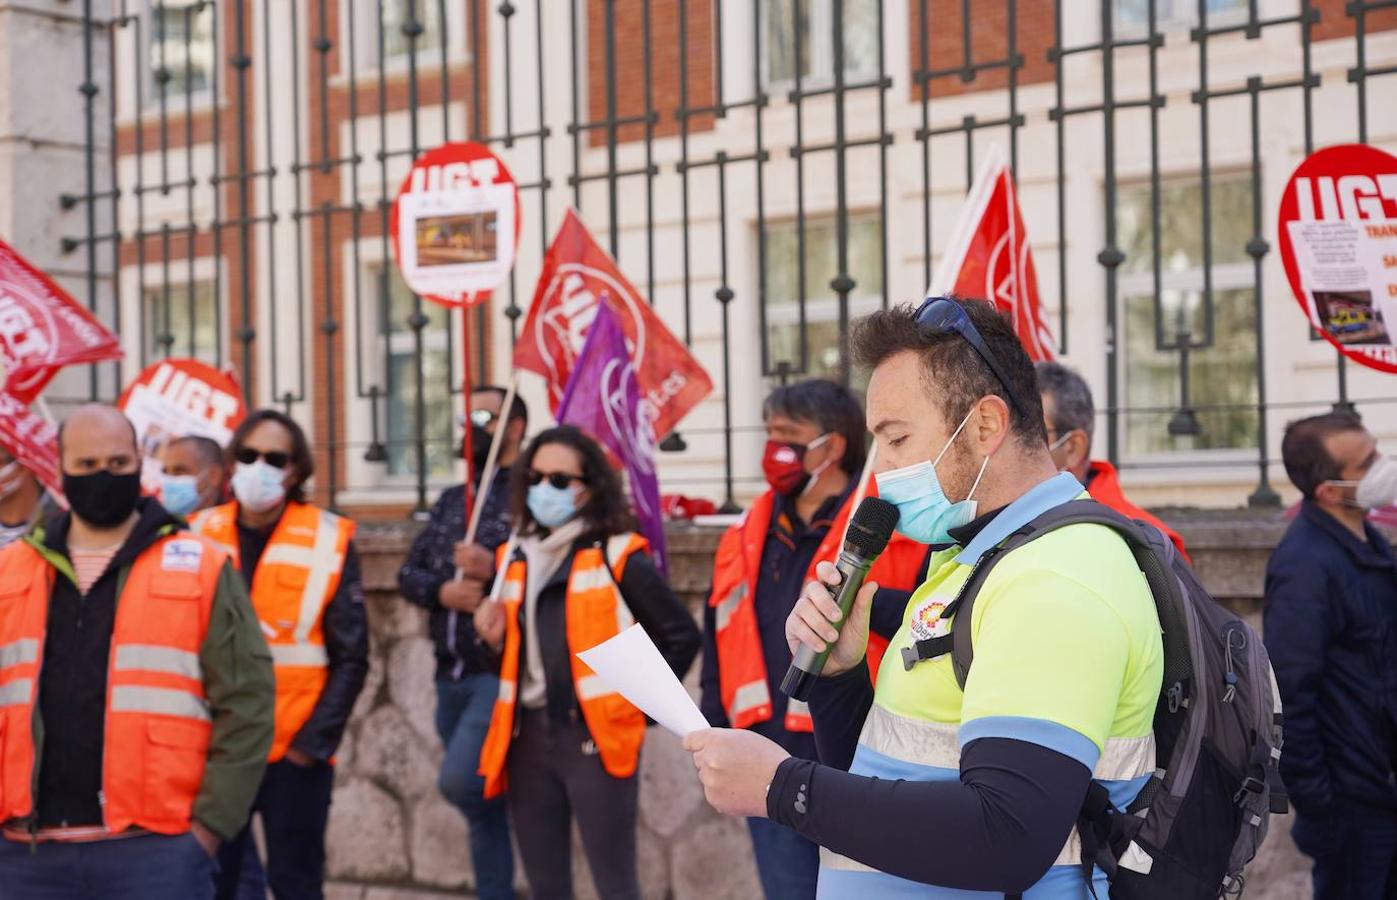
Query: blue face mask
point(179, 493)
point(551, 506)
point(925, 514)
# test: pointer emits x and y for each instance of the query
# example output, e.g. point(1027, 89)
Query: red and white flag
point(989, 258)
point(32, 440)
point(577, 273)
point(42, 328)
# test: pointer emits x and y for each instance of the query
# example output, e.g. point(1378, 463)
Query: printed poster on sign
point(177, 398)
point(455, 224)
point(1338, 241)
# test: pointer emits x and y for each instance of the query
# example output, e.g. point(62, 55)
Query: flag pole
point(491, 470)
point(862, 490)
point(467, 495)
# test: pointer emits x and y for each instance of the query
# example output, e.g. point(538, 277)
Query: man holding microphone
point(923, 790)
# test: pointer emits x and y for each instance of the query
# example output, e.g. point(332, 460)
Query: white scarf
point(543, 556)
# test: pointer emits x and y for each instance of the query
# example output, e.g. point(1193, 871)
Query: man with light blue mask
point(924, 789)
point(194, 475)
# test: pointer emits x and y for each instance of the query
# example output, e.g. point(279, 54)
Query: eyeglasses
point(942, 315)
point(559, 480)
point(483, 417)
point(275, 458)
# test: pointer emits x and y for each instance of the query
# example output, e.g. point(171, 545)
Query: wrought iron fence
point(240, 159)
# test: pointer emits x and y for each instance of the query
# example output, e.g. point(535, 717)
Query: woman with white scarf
point(560, 742)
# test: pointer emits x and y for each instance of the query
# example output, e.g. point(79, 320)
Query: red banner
point(32, 440)
point(42, 328)
point(989, 257)
point(577, 274)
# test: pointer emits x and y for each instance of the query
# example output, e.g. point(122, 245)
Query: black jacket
point(1331, 631)
point(345, 625)
point(430, 564)
point(651, 602)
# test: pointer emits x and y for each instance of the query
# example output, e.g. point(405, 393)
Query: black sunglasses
point(942, 315)
point(248, 456)
point(559, 480)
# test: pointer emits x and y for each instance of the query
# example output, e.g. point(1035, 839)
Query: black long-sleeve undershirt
point(999, 827)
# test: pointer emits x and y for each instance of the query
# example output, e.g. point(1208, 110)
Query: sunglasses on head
point(559, 480)
point(941, 315)
point(275, 458)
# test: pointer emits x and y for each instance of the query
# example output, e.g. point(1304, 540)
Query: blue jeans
point(149, 867)
point(1355, 852)
point(788, 864)
point(463, 718)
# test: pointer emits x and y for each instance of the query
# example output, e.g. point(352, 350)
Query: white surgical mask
point(259, 486)
point(1377, 487)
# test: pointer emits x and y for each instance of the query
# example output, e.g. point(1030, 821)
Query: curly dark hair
point(607, 511)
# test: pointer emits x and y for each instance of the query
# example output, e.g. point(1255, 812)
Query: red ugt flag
point(989, 257)
point(42, 328)
point(576, 273)
point(32, 440)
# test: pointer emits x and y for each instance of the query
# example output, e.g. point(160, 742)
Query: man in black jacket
point(448, 577)
point(1331, 630)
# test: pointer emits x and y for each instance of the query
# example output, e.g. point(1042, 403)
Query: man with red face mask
point(813, 457)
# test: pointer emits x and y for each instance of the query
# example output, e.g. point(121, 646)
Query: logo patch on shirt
point(182, 556)
point(927, 621)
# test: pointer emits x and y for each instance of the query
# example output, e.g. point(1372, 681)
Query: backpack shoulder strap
point(1076, 512)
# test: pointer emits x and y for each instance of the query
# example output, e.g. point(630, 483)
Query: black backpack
point(1200, 819)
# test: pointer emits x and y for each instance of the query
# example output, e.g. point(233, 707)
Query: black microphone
point(869, 532)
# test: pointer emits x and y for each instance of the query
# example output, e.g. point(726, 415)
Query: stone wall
point(393, 838)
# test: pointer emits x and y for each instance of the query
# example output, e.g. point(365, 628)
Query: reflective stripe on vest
point(742, 666)
point(297, 576)
point(158, 726)
point(595, 612)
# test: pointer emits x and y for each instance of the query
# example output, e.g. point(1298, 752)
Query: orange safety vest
point(742, 668)
point(296, 578)
point(1104, 485)
point(158, 725)
point(596, 612)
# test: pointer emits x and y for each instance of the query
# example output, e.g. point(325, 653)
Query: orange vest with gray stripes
point(742, 672)
point(596, 612)
point(158, 726)
point(296, 578)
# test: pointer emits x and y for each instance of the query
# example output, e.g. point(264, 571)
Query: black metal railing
point(243, 152)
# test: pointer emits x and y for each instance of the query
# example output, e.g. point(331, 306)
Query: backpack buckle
point(1252, 784)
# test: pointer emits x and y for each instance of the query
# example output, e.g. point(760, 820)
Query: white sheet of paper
point(631, 665)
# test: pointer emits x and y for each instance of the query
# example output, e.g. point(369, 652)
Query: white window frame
point(366, 30)
point(1226, 277)
point(132, 306)
point(820, 42)
point(785, 311)
point(373, 483)
point(1176, 16)
point(150, 89)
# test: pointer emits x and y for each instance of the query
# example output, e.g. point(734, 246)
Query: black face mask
point(480, 448)
point(102, 499)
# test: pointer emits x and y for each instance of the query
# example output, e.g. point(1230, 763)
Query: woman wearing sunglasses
point(561, 741)
point(303, 574)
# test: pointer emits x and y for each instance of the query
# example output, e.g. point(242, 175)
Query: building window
point(180, 49)
point(395, 15)
point(1133, 16)
point(813, 22)
point(821, 303)
point(181, 319)
point(398, 351)
point(1222, 375)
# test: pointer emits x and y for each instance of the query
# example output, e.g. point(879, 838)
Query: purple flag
point(604, 400)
